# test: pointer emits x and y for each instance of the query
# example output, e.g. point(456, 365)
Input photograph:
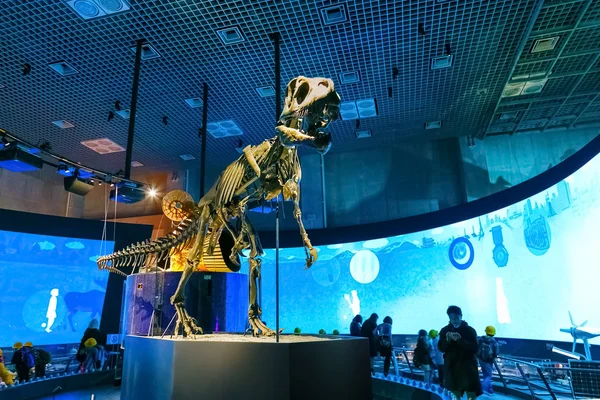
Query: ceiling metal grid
point(378, 36)
point(572, 69)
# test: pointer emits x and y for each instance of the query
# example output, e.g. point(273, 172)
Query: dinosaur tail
point(140, 254)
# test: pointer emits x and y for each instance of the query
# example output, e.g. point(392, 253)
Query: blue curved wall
point(519, 260)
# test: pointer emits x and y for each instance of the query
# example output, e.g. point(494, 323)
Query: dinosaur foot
point(189, 324)
point(260, 329)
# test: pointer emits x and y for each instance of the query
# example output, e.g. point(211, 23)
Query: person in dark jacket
point(368, 331)
point(92, 332)
point(23, 361)
point(458, 342)
point(355, 325)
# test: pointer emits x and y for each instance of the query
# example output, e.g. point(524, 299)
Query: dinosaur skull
point(310, 105)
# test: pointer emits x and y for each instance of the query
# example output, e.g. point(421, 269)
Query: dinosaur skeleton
point(262, 172)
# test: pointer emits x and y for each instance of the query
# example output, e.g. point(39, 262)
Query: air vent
point(513, 89)
point(196, 102)
point(136, 164)
point(223, 129)
point(546, 44)
point(331, 15)
point(534, 87)
point(123, 113)
point(366, 108)
point(363, 134)
point(266, 91)
point(63, 68)
point(348, 110)
point(63, 124)
point(103, 146)
point(508, 116)
point(231, 35)
point(187, 157)
point(347, 78)
point(148, 52)
point(2, 86)
point(442, 62)
point(433, 125)
point(90, 9)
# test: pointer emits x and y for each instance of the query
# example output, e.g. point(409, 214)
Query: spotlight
point(239, 147)
point(118, 105)
point(240, 143)
point(390, 92)
point(200, 132)
point(4, 142)
point(395, 73)
point(152, 192)
point(448, 49)
point(77, 185)
point(26, 69)
point(165, 120)
point(175, 176)
point(111, 115)
point(422, 29)
point(45, 146)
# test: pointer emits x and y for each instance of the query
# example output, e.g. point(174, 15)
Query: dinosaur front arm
point(251, 160)
point(290, 136)
point(291, 190)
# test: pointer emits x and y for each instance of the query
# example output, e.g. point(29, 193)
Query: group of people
point(26, 357)
point(455, 352)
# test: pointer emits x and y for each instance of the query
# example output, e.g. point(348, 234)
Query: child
point(422, 357)
point(23, 360)
point(436, 355)
point(488, 351)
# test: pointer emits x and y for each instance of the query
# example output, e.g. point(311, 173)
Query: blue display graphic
point(521, 268)
point(51, 287)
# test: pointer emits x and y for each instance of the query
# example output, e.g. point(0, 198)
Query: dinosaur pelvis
point(218, 261)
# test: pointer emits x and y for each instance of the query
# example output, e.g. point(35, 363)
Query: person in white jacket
point(436, 355)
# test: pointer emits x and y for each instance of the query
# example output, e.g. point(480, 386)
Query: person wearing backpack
point(23, 361)
point(384, 332)
point(488, 351)
point(422, 356)
point(41, 358)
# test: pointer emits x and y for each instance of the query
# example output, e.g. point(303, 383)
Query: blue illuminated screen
point(50, 287)
point(521, 269)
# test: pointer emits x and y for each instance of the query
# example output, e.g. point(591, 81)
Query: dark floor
point(100, 393)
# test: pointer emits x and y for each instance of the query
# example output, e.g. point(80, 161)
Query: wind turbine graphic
point(582, 333)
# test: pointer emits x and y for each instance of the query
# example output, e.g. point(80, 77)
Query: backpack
point(42, 357)
point(28, 359)
point(486, 350)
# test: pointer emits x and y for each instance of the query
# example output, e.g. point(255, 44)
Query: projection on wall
point(51, 287)
point(520, 268)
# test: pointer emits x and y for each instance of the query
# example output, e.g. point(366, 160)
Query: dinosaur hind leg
point(195, 255)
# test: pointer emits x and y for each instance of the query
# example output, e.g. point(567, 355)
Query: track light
point(165, 120)
point(26, 69)
point(46, 146)
point(422, 29)
point(111, 115)
point(448, 49)
point(357, 123)
point(395, 73)
point(240, 143)
point(118, 105)
point(390, 92)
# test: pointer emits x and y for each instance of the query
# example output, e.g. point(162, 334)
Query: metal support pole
point(323, 191)
point(203, 134)
point(276, 38)
point(132, 111)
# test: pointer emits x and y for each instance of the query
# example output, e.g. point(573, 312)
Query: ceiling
point(484, 39)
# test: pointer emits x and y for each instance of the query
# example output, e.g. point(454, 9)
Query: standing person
point(41, 359)
point(5, 376)
point(458, 342)
point(384, 331)
point(355, 325)
point(436, 355)
point(367, 330)
point(488, 351)
point(23, 361)
point(422, 356)
point(91, 332)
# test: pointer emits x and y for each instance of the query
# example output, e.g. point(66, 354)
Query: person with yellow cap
point(488, 351)
point(23, 360)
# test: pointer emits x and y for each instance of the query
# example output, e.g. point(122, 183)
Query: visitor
point(458, 342)
point(436, 355)
point(23, 361)
point(92, 332)
point(41, 359)
point(355, 325)
point(367, 330)
point(422, 356)
point(488, 351)
point(384, 332)
point(5, 376)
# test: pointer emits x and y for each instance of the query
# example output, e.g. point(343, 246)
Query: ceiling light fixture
point(347, 78)
point(433, 125)
point(103, 146)
point(187, 157)
point(363, 134)
point(223, 129)
point(90, 9)
point(63, 124)
point(335, 14)
point(63, 68)
point(196, 102)
point(546, 44)
point(441, 62)
point(231, 35)
point(148, 51)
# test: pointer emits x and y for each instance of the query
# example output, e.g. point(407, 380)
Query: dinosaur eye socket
point(302, 92)
point(324, 83)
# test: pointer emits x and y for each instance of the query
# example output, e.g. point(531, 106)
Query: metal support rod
point(203, 133)
point(133, 108)
point(323, 191)
point(531, 390)
point(530, 24)
point(541, 374)
point(500, 374)
point(276, 39)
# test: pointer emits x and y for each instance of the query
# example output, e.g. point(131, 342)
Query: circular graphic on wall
point(537, 235)
point(364, 266)
point(326, 273)
point(461, 253)
point(44, 310)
